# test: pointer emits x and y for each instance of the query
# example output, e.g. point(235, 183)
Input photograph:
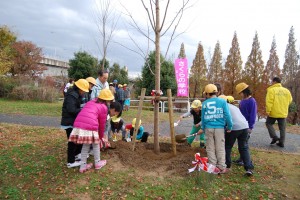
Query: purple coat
point(92, 117)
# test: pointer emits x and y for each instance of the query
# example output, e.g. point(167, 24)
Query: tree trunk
point(157, 79)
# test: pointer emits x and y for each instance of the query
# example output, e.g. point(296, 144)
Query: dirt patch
point(146, 162)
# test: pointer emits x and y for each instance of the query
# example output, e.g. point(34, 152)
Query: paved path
point(259, 137)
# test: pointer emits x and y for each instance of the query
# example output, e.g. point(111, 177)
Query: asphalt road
point(259, 137)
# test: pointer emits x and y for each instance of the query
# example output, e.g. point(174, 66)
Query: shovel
point(182, 137)
point(176, 123)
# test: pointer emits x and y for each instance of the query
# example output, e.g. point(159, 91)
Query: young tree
point(253, 73)
point(82, 66)
point(198, 73)
point(106, 21)
point(27, 57)
point(272, 68)
point(7, 38)
point(215, 69)
point(233, 67)
point(160, 28)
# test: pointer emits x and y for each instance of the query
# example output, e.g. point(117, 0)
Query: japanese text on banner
point(182, 79)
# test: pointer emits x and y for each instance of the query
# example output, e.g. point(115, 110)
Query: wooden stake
point(138, 117)
point(170, 106)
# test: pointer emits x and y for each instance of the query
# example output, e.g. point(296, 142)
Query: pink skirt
point(80, 136)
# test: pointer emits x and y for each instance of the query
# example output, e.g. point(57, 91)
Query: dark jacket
point(71, 107)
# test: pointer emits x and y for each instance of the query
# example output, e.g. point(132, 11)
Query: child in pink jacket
point(89, 129)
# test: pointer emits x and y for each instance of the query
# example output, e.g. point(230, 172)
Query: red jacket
point(92, 117)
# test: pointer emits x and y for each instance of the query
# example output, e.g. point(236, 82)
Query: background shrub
point(27, 92)
point(6, 86)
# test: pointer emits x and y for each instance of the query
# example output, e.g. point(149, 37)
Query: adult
point(277, 107)
point(70, 109)
point(248, 107)
point(101, 83)
point(120, 95)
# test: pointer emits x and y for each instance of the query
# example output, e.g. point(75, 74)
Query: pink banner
point(182, 77)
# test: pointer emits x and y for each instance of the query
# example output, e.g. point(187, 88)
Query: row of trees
point(84, 65)
point(254, 73)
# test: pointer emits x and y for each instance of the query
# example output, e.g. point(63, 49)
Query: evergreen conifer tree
point(233, 67)
point(198, 74)
point(215, 69)
point(272, 68)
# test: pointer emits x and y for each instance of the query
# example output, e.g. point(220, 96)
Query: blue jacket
point(215, 114)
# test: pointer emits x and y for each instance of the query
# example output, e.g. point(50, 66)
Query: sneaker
point(280, 144)
point(249, 173)
point(224, 171)
point(274, 140)
point(100, 164)
point(86, 168)
point(216, 171)
point(74, 164)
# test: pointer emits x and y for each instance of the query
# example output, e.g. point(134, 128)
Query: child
point(240, 132)
point(89, 128)
point(141, 135)
point(127, 97)
point(117, 124)
point(214, 116)
point(196, 112)
point(248, 108)
point(70, 109)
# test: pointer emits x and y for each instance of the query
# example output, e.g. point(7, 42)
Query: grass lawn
point(54, 109)
point(33, 166)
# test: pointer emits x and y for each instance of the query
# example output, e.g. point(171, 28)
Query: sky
point(63, 27)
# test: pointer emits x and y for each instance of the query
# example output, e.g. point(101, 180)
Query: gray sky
point(62, 27)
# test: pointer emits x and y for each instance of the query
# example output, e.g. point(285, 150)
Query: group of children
point(86, 122)
point(221, 123)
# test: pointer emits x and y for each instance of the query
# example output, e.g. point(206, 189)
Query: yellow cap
point(240, 87)
point(83, 85)
point(133, 122)
point(120, 86)
point(196, 104)
point(91, 80)
point(230, 99)
point(106, 94)
point(210, 88)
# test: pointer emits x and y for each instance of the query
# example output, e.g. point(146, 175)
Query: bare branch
point(180, 11)
point(135, 25)
point(152, 21)
point(165, 15)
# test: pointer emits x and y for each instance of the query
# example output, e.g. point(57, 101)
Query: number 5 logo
point(211, 107)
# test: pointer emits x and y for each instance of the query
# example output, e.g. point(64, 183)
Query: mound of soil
point(146, 162)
